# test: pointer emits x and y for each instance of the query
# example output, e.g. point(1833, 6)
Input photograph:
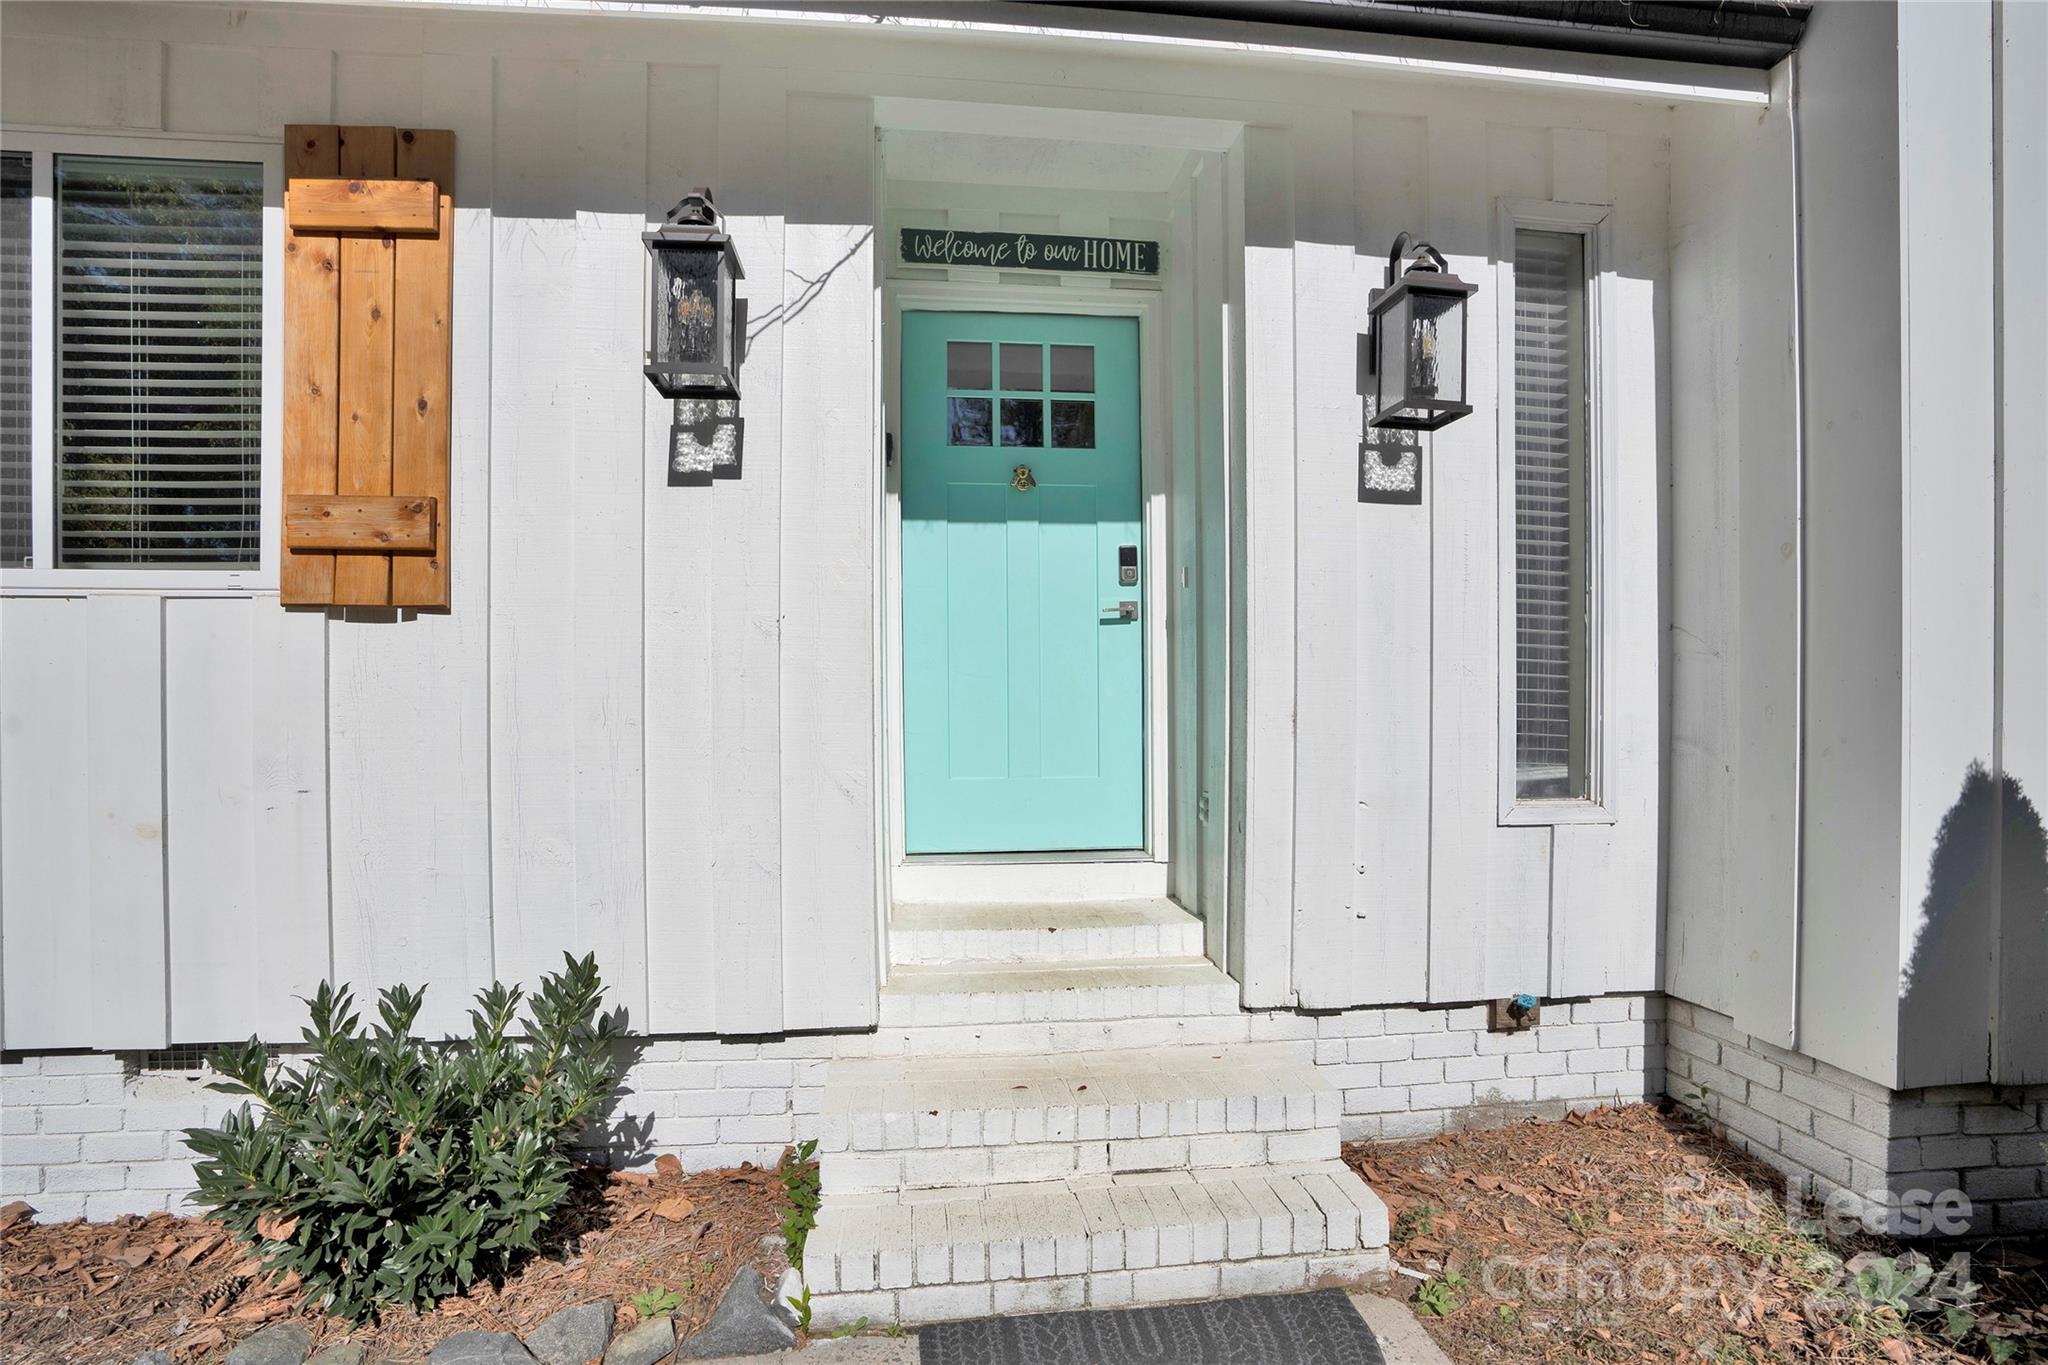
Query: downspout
point(1994, 1044)
point(1798, 548)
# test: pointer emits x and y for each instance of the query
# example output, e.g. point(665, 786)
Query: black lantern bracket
point(1426, 257)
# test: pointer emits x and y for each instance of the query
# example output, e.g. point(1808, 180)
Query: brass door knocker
point(1021, 479)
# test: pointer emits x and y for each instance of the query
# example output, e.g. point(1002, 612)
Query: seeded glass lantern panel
point(1419, 351)
point(692, 349)
point(705, 436)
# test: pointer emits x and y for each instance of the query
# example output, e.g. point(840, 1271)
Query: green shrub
point(798, 1171)
point(391, 1172)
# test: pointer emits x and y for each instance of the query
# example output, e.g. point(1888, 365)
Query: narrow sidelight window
point(1553, 521)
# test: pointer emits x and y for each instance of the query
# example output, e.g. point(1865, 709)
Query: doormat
point(1321, 1328)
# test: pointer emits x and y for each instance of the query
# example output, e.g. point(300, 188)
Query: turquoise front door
point(1023, 615)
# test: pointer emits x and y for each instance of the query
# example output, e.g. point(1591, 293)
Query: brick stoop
point(1075, 1122)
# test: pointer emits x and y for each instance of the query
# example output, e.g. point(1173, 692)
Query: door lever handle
point(1122, 611)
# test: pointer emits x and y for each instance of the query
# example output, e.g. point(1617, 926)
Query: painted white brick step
point(931, 932)
point(1023, 1162)
point(1075, 1035)
point(1093, 1243)
point(1036, 993)
point(920, 1122)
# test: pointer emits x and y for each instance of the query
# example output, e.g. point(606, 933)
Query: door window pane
point(1023, 367)
point(1073, 369)
point(159, 362)
point(1553, 610)
point(1023, 422)
point(967, 421)
point(15, 521)
point(1073, 424)
point(967, 365)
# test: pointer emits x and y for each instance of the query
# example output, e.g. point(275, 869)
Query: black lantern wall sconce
point(1415, 340)
point(694, 337)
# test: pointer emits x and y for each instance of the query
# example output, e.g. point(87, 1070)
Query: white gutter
point(1588, 73)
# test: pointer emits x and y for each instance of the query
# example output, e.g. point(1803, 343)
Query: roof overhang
point(1489, 45)
point(1747, 33)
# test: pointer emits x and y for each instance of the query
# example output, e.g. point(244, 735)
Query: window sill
point(164, 582)
point(1565, 812)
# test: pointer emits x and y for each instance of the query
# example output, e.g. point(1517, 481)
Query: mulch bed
point(1634, 1234)
point(98, 1292)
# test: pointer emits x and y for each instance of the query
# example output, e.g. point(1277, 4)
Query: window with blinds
point(159, 324)
point(1552, 606)
point(16, 480)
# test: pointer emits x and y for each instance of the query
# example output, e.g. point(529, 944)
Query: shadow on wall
point(1989, 873)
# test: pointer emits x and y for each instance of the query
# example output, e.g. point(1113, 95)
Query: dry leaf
point(14, 1213)
point(133, 1257)
point(199, 1248)
point(1897, 1350)
point(668, 1164)
point(675, 1209)
point(275, 1228)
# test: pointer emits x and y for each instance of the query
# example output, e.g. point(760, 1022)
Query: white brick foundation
point(87, 1134)
point(96, 1134)
point(1839, 1137)
point(1418, 1071)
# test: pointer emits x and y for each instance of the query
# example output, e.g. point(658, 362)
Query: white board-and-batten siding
point(646, 728)
point(1417, 889)
point(212, 803)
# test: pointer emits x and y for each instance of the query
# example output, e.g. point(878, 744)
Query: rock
point(643, 1345)
point(743, 1324)
point(480, 1348)
point(574, 1335)
point(281, 1343)
point(347, 1353)
point(154, 1358)
point(788, 1289)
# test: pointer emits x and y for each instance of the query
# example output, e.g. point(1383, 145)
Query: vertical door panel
point(1023, 686)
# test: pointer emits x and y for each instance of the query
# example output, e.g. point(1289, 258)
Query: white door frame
point(1032, 876)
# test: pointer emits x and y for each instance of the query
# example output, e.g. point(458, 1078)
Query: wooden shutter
point(369, 248)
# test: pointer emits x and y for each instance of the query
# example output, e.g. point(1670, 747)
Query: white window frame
point(43, 576)
point(1594, 222)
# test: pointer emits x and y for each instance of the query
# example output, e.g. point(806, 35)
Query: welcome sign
point(1030, 251)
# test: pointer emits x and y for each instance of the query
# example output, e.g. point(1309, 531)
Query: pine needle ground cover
point(82, 1293)
point(1628, 1235)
